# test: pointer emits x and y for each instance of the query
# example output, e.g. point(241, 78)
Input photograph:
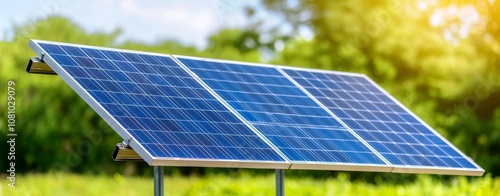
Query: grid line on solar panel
point(284, 114)
point(160, 105)
point(380, 120)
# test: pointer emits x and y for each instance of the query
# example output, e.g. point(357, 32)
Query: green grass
point(73, 184)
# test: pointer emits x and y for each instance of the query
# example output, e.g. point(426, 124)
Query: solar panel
point(395, 132)
point(304, 131)
point(168, 116)
point(186, 111)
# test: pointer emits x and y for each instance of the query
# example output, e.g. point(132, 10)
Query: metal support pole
point(158, 175)
point(280, 182)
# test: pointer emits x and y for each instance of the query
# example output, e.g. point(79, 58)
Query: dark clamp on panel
point(37, 66)
point(125, 153)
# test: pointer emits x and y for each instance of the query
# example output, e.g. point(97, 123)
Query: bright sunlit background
point(440, 58)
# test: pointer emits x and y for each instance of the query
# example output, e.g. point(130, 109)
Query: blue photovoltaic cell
point(160, 105)
point(283, 113)
point(379, 120)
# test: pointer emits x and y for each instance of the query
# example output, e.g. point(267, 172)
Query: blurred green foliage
point(451, 83)
point(241, 184)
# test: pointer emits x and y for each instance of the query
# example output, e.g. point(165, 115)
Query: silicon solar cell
point(186, 111)
point(153, 101)
point(396, 133)
point(284, 114)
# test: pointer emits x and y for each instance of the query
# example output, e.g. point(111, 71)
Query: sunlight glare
point(457, 21)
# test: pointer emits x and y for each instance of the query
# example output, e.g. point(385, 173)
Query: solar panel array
point(185, 111)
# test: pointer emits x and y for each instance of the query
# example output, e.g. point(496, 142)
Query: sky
point(190, 22)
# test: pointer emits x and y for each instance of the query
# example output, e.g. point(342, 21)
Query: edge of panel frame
point(176, 56)
point(341, 167)
point(219, 163)
point(437, 170)
point(38, 51)
point(227, 105)
point(320, 70)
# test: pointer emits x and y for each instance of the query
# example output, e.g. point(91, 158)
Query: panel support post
point(280, 182)
point(158, 178)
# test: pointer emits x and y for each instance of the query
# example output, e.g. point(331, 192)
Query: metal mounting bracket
point(36, 65)
point(123, 152)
